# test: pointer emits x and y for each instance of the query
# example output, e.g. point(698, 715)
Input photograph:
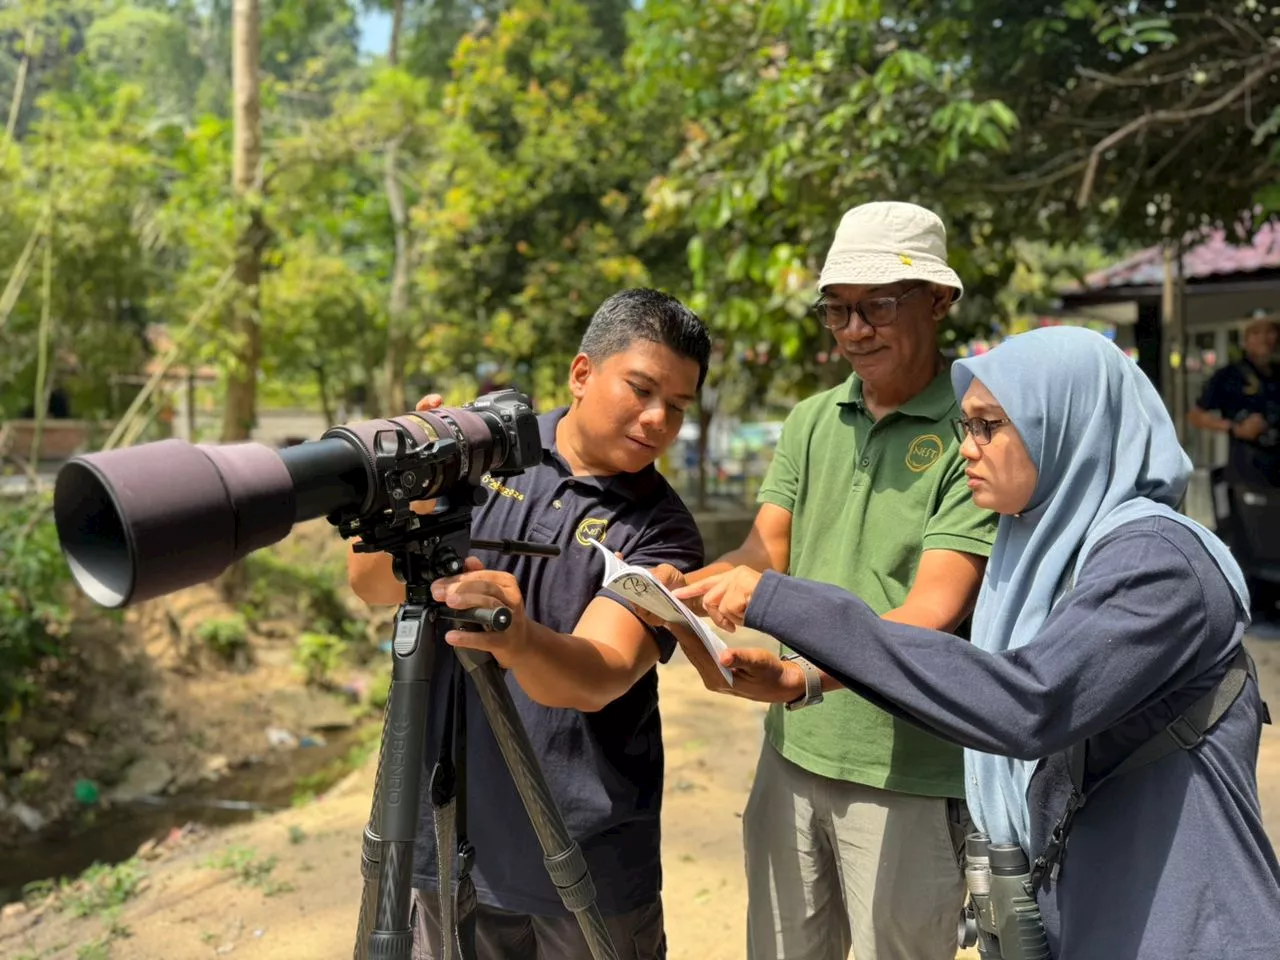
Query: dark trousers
point(502, 935)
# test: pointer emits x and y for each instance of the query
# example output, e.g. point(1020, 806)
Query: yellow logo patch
point(905, 259)
point(924, 452)
point(590, 529)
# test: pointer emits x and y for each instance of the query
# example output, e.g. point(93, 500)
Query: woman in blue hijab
point(1104, 615)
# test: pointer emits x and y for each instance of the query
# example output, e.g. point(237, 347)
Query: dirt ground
point(205, 897)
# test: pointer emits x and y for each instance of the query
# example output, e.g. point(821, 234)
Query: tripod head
point(426, 547)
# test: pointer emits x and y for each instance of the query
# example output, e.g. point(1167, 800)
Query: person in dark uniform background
point(1243, 400)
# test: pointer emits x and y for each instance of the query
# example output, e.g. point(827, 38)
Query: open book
point(645, 590)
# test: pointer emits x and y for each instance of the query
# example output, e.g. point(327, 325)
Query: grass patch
point(249, 870)
point(99, 890)
point(225, 636)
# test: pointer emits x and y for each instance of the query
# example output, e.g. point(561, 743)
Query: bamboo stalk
point(19, 85)
point(140, 424)
point(18, 276)
point(42, 348)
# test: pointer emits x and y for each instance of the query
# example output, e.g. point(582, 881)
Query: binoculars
point(1002, 917)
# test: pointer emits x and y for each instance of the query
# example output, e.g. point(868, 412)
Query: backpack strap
point(1185, 732)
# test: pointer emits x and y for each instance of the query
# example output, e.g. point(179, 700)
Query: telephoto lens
point(145, 521)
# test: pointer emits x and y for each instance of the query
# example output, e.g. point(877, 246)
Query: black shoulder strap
point(1185, 732)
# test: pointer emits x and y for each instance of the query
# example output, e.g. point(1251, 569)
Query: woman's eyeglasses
point(977, 428)
point(876, 312)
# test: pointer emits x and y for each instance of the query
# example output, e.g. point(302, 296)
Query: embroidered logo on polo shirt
point(590, 529)
point(924, 452)
point(498, 488)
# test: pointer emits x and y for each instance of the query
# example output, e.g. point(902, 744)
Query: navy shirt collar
point(633, 486)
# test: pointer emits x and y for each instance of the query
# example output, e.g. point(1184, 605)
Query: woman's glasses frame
point(977, 427)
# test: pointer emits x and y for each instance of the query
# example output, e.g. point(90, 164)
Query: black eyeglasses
point(977, 428)
point(876, 312)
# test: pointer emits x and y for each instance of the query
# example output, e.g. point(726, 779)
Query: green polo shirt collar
point(932, 403)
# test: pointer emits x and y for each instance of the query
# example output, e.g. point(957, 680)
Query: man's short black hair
point(651, 315)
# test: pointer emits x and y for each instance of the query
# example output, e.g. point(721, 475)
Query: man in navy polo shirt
point(580, 663)
point(1246, 396)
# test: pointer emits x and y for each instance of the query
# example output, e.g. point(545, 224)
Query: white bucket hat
point(887, 241)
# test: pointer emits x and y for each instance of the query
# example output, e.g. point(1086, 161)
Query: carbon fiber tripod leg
point(385, 933)
point(371, 854)
point(562, 856)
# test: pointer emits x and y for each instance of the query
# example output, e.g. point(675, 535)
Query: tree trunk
point(705, 413)
point(394, 401)
point(397, 24)
point(326, 404)
point(398, 299)
point(240, 412)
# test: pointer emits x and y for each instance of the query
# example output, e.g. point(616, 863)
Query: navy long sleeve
point(1169, 862)
point(1134, 628)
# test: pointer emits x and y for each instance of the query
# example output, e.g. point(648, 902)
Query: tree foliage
point(545, 153)
point(1142, 119)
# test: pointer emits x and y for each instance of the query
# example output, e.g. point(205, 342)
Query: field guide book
point(642, 588)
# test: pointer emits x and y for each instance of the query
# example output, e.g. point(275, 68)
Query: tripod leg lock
point(371, 854)
point(384, 945)
point(568, 871)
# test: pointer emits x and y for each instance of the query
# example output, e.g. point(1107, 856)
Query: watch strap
point(812, 683)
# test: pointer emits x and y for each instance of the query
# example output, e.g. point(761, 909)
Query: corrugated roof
point(1212, 257)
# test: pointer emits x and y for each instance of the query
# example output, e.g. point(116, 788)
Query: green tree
point(1141, 119)
point(792, 113)
point(531, 209)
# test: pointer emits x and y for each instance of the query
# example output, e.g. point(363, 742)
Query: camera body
point(509, 412)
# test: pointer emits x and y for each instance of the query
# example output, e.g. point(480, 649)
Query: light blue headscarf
point(1107, 453)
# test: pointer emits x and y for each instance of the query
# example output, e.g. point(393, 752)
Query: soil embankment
point(288, 885)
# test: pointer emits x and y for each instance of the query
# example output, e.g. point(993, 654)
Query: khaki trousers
point(833, 865)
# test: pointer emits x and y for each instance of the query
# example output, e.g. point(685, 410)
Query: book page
point(645, 590)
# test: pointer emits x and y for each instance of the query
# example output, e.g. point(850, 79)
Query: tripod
point(423, 549)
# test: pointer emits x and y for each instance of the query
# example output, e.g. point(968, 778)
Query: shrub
point(319, 654)
point(35, 593)
point(278, 588)
point(225, 636)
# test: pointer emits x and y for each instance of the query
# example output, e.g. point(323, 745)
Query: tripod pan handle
point(490, 618)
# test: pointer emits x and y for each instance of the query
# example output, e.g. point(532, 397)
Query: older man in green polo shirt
point(855, 822)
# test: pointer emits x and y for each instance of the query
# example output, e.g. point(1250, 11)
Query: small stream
point(114, 835)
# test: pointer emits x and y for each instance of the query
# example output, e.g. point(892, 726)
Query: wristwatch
point(812, 683)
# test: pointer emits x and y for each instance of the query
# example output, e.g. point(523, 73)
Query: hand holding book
point(638, 585)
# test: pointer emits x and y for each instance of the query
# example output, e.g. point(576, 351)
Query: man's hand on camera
point(724, 597)
point(478, 587)
point(431, 401)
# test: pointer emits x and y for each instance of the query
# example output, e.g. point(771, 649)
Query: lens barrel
point(145, 521)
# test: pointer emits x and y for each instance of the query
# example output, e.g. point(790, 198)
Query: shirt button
point(866, 461)
point(556, 504)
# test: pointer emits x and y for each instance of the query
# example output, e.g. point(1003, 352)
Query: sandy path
point(192, 910)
